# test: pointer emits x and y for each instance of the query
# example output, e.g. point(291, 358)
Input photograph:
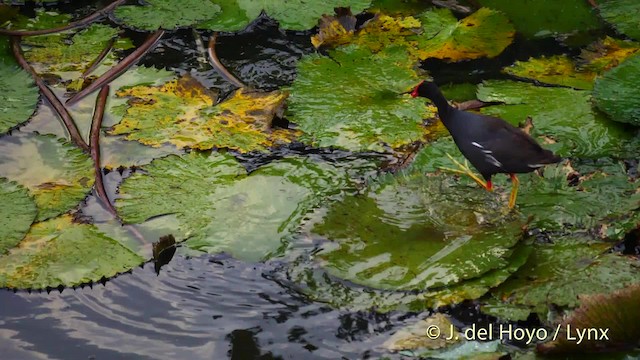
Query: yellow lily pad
point(183, 112)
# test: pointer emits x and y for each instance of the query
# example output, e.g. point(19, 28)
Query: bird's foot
point(464, 169)
point(514, 190)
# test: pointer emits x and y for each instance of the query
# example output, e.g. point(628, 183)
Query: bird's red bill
point(414, 93)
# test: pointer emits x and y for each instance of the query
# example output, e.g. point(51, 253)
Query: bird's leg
point(514, 190)
point(465, 170)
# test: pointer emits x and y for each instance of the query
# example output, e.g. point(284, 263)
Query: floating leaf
point(420, 335)
point(74, 54)
point(614, 315)
point(485, 33)
point(182, 112)
point(557, 273)
point(617, 92)
point(43, 19)
point(57, 174)
point(416, 233)
point(623, 14)
point(546, 18)
point(559, 70)
point(16, 214)
point(230, 15)
point(60, 252)
point(18, 96)
point(225, 210)
point(353, 100)
point(167, 14)
point(566, 120)
point(606, 53)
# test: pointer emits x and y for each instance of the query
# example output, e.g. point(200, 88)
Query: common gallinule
point(492, 145)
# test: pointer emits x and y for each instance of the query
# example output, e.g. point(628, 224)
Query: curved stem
point(117, 70)
point(60, 109)
point(76, 24)
point(94, 140)
point(217, 65)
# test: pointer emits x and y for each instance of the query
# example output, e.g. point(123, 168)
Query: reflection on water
point(197, 308)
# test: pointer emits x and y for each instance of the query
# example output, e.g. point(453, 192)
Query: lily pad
point(16, 214)
point(166, 14)
point(353, 100)
point(74, 54)
point(546, 18)
point(249, 216)
point(566, 122)
point(485, 33)
point(615, 315)
point(558, 70)
point(617, 92)
point(606, 53)
point(416, 233)
point(57, 174)
point(623, 15)
point(558, 273)
point(230, 15)
point(182, 112)
point(18, 96)
point(60, 252)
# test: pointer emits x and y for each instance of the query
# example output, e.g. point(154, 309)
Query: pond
point(294, 201)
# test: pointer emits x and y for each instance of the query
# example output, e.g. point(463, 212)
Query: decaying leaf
point(607, 53)
point(59, 252)
point(559, 70)
point(182, 112)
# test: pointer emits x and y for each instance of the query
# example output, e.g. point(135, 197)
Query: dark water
point(216, 307)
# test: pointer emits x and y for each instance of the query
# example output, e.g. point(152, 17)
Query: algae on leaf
point(354, 100)
point(182, 112)
point(617, 92)
point(18, 96)
point(57, 174)
point(17, 213)
point(59, 252)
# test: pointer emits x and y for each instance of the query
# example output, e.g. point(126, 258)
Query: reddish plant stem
point(117, 70)
point(57, 105)
point(76, 24)
point(94, 140)
point(471, 105)
point(217, 65)
point(96, 62)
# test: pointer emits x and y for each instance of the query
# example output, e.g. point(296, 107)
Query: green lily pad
point(57, 174)
point(60, 252)
point(617, 92)
point(485, 33)
point(43, 19)
point(166, 14)
point(74, 54)
point(416, 233)
point(566, 122)
point(18, 96)
point(353, 100)
point(16, 214)
point(615, 314)
point(183, 113)
point(546, 18)
point(623, 15)
point(230, 15)
point(249, 216)
point(558, 273)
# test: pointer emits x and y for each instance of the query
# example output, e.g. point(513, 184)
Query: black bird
point(491, 144)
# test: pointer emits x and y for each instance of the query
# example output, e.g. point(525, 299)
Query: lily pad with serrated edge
point(182, 112)
point(623, 15)
point(558, 70)
point(354, 100)
point(166, 14)
point(18, 96)
point(249, 216)
point(547, 18)
point(59, 252)
point(57, 174)
point(558, 273)
point(617, 92)
point(566, 123)
point(16, 214)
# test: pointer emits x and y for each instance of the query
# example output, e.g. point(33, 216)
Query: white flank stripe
point(477, 145)
point(494, 161)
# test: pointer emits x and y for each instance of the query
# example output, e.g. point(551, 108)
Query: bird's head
point(425, 89)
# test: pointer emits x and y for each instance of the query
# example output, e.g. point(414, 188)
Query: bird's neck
point(444, 109)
